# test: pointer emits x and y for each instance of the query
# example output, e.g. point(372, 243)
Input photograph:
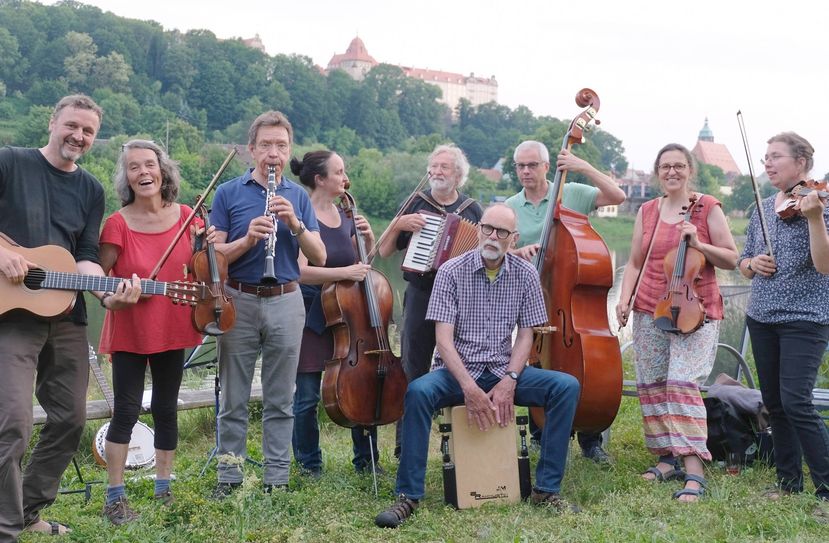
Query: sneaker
point(164, 498)
point(397, 514)
point(119, 512)
point(223, 490)
point(597, 454)
point(552, 500)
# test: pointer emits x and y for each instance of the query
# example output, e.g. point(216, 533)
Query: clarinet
point(269, 276)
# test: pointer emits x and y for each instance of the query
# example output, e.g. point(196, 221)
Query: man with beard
point(47, 199)
point(448, 171)
point(477, 301)
point(532, 163)
point(269, 315)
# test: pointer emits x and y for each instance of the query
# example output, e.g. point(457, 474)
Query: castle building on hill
point(356, 62)
point(706, 151)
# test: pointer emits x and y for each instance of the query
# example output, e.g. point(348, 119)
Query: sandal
point(697, 492)
point(54, 528)
point(662, 477)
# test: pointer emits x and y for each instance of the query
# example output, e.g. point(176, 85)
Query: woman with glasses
point(787, 315)
point(671, 366)
point(153, 332)
point(323, 172)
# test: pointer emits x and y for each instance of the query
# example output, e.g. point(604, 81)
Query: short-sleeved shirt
point(796, 291)
point(154, 324)
point(483, 312)
point(42, 205)
point(239, 201)
point(575, 196)
point(472, 212)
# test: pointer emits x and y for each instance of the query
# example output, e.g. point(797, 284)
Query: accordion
point(443, 237)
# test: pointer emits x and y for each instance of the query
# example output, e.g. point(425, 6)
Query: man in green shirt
point(532, 164)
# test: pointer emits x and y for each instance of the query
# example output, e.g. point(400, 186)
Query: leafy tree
point(372, 185)
point(709, 179)
point(111, 71)
point(78, 64)
point(300, 78)
point(419, 111)
point(32, 132)
point(10, 58)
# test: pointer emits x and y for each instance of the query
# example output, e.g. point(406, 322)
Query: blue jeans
point(306, 438)
point(556, 392)
point(788, 356)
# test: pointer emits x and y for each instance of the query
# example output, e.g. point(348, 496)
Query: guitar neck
point(76, 281)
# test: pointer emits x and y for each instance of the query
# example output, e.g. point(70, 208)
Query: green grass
point(617, 504)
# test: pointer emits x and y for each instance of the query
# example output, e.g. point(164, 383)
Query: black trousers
point(788, 356)
point(128, 371)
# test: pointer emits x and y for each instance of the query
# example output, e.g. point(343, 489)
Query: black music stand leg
point(87, 485)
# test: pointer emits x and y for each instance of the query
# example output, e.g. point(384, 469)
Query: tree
point(32, 131)
point(10, 58)
point(78, 64)
point(111, 71)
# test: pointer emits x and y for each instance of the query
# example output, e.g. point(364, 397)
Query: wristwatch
point(513, 375)
point(301, 229)
point(748, 266)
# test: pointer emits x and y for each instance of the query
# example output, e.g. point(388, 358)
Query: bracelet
point(104, 299)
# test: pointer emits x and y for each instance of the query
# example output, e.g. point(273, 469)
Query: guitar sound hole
point(34, 279)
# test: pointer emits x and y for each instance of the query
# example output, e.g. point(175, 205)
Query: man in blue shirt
point(269, 315)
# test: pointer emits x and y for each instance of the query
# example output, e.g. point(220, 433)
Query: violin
point(574, 265)
point(214, 314)
point(681, 310)
point(790, 207)
point(364, 382)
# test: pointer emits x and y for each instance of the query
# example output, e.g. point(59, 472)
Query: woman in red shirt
point(154, 331)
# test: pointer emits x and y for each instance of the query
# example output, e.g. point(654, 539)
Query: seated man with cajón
point(478, 298)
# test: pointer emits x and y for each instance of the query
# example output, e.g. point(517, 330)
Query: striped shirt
point(485, 313)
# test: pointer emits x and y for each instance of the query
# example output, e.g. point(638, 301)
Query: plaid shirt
point(485, 313)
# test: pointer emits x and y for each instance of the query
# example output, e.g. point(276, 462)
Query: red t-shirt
point(154, 324)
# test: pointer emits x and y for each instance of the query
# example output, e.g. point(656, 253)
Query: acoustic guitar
point(141, 449)
point(49, 290)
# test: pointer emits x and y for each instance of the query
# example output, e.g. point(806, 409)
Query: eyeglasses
point(529, 165)
point(774, 158)
point(282, 147)
point(678, 167)
point(501, 233)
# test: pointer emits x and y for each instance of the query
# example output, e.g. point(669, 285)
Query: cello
point(364, 382)
point(576, 274)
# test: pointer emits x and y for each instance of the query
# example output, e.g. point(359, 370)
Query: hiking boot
point(164, 498)
point(552, 500)
point(597, 454)
point(397, 514)
point(119, 512)
point(223, 490)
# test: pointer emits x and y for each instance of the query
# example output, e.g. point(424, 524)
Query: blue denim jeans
point(306, 438)
point(788, 356)
point(556, 392)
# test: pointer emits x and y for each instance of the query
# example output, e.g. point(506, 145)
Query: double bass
point(364, 382)
point(576, 274)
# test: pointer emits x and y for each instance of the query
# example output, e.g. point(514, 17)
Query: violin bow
point(192, 215)
point(638, 281)
point(370, 256)
point(757, 199)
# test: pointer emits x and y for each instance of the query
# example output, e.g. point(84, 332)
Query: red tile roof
point(715, 154)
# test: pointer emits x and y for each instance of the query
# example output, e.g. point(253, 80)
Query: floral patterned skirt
point(670, 368)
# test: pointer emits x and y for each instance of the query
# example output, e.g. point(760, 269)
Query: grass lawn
point(617, 504)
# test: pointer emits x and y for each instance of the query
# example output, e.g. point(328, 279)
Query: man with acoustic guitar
point(47, 199)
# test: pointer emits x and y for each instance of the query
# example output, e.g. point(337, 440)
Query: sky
point(659, 67)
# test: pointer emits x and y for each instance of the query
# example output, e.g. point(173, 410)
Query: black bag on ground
point(731, 431)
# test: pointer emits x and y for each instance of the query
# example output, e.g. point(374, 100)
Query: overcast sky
point(659, 67)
